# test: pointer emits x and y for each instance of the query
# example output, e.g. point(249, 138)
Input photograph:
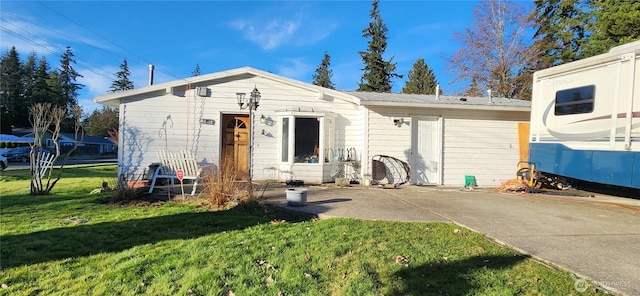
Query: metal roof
point(431, 101)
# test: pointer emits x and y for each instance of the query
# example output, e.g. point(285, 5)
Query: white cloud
point(26, 37)
point(270, 35)
point(295, 68)
point(297, 29)
point(96, 84)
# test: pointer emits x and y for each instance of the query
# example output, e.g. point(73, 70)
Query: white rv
point(585, 118)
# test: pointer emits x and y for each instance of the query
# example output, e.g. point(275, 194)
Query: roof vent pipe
point(150, 74)
point(438, 91)
point(489, 92)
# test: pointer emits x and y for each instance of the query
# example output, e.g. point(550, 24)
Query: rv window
point(575, 101)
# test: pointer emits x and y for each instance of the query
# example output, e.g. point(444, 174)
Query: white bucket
point(296, 197)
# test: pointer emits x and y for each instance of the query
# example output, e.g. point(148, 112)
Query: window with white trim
point(305, 137)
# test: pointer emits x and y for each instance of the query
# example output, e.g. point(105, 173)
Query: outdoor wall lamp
point(398, 122)
point(252, 103)
point(263, 119)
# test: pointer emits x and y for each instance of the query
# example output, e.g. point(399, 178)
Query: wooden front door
point(236, 142)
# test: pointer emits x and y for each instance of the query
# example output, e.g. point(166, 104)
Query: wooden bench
point(171, 162)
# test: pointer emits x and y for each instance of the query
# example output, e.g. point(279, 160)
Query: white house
point(303, 131)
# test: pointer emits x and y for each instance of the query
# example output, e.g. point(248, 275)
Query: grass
point(73, 243)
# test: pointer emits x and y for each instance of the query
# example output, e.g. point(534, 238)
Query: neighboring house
point(303, 131)
point(88, 145)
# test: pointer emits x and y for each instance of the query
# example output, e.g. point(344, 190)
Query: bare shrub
point(223, 187)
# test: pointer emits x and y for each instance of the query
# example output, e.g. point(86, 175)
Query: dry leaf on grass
point(270, 280)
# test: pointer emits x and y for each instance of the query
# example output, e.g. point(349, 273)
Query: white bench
point(43, 161)
point(171, 162)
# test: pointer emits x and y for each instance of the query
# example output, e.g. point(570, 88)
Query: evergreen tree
point(560, 31)
point(68, 76)
point(196, 71)
point(377, 72)
point(42, 92)
point(29, 75)
point(54, 81)
point(122, 82)
point(101, 121)
point(323, 74)
point(474, 89)
point(11, 88)
point(420, 80)
point(616, 22)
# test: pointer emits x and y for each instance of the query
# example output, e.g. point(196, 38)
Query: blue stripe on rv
point(620, 168)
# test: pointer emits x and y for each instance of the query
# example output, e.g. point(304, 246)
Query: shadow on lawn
point(451, 278)
point(23, 202)
point(89, 239)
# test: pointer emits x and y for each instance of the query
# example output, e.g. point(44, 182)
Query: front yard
point(73, 243)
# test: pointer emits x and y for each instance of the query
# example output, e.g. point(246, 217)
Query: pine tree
point(420, 80)
point(42, 92)
point(377, 72)
point(323, 74)
point(474, 89)
point(29, 75)
point(11, 88)
point(196, 71)
point(616, 23)
point(122, 82)
point(560, 31)
point(68, 76)
point(101, 121)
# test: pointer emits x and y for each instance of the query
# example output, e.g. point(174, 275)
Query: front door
point(235, 141)
point(425, 151)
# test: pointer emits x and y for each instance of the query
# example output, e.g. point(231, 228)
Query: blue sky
point(287, 38)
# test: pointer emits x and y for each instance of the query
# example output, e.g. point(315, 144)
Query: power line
point(107, 39)
point(109, 74)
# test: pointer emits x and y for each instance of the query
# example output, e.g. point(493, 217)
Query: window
point(307, 143)
point(306, 137)
point(575, 101)
point(285, 139)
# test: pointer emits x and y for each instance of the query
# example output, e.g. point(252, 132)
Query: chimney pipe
point(489, 92)
point(438, 91)
point(150, 74)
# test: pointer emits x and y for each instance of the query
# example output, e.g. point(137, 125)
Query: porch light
point(263, 119)
point(240, 97)
point(252, 104)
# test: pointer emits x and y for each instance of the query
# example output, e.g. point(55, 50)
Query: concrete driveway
point(598, 238)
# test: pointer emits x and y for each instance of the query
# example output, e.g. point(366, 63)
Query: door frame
point(438, 153)
point(224, 117)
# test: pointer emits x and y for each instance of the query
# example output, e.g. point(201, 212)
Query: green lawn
point(73, 243)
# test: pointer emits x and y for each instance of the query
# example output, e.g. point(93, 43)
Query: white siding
point(484, 148)
point(387, 139)
point(479, 143)
point(142, 122)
